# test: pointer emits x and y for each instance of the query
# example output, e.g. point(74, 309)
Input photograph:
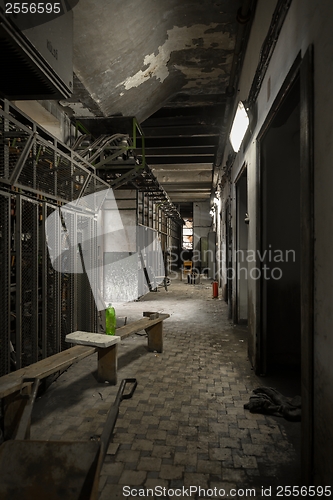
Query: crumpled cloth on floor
point(269, 400)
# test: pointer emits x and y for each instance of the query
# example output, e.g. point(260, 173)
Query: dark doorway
point(286, 203)
point(228, 256)
point(241, 249)
point(280, 250)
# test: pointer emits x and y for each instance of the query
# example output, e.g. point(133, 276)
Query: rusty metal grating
point(86, 231)
point(5, 282)
point(79, 178)
point(44, 304)
point(51, 173)
point(27, 176)
point(29, 281)
point(52, 297)
point(67, 282)
point(34, 160)
point(13, 139)
point(45, 176)
point(65, 185)
point(93, 195)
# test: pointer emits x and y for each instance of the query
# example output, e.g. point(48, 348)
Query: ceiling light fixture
point(239, 127)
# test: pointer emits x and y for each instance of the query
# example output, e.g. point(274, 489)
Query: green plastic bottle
point(110, 320)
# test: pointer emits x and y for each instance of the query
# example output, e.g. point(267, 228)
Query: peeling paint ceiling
point(168, 63)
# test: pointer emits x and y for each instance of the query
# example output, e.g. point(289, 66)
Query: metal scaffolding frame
point(5, 258)
point(35, 162)
point(39, 305)
point(121, 163)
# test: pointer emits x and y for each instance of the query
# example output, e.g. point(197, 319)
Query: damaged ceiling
point(173, 65)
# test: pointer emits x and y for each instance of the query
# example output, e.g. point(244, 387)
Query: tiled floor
point(185, 426)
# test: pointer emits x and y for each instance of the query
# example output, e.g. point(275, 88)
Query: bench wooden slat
point(141, 324)
point(12, 381)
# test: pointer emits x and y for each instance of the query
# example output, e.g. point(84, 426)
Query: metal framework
point(5, 230)
point(35, 162)
point(38, 174)
point(122, 164)
point(38, 305)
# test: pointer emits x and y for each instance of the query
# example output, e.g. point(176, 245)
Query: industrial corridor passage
point(185, 432)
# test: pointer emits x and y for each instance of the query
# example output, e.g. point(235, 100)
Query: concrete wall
point(308, 22)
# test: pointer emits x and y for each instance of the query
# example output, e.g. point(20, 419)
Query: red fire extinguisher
point(215, 289)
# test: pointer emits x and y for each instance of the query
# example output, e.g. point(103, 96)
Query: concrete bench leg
point(155, 337)
point(107, 364)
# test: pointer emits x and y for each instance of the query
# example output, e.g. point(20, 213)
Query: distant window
point(188, 234)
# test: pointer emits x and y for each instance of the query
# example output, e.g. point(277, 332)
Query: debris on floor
point(270, 401)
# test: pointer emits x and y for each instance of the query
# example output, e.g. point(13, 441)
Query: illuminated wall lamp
point(239, 127)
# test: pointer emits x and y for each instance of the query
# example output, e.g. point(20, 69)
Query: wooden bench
point(13, 385)
point(107, 345)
